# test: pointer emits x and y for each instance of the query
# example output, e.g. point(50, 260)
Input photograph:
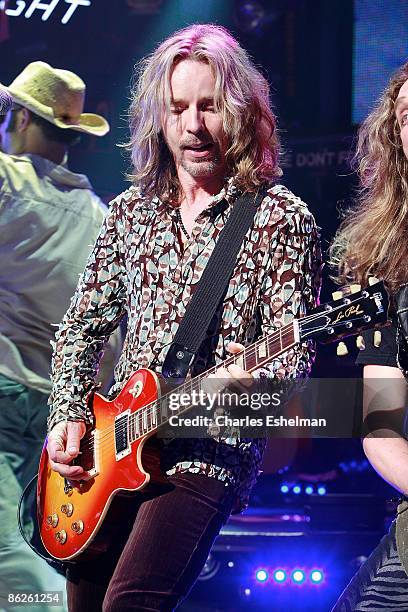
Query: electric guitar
point(118, 454)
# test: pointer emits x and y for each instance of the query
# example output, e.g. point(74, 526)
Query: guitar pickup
point(122, 442)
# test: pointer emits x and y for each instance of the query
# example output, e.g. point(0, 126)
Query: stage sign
point(28, 9)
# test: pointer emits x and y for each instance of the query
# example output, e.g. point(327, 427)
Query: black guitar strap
point(211, 287)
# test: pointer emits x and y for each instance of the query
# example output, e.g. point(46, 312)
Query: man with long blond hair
point(202, 132)
point(373, 241)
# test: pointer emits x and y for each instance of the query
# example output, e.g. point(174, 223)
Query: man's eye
point(176, 110)
point(404, 118)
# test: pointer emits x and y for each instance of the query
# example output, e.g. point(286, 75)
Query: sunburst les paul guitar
point(117, 453)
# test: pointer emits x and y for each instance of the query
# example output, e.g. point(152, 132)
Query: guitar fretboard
point(257, 355)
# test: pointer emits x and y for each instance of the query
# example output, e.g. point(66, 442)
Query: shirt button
point(174, 287)
point(160, 334)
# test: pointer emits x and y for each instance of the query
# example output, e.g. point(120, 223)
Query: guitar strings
point(152, 407)
point(283, 333)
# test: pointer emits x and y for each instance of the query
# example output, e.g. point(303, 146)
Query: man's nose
point(194, 121)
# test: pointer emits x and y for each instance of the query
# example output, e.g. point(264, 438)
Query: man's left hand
point(231, 376)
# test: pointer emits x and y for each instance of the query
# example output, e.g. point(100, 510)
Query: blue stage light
point(316, 576)
point(298, 576)
point(309, 490)
point(321, 490)
point(247, 592)
point(284, 489)
point(296, 489)
point(261, 575)
point(279, 575)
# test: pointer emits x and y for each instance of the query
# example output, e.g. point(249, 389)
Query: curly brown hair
point(372, 239)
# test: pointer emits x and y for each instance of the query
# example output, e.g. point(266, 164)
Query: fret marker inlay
point(262, 352)
point(240, 361)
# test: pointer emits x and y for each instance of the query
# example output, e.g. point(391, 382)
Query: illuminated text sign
point(17, 8)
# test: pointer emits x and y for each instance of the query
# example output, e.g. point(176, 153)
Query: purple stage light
point(298, 576)
point(279, 576)
point(261, 575)
point(316, 576)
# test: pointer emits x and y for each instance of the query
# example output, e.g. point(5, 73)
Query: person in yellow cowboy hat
point(49, 96)
point(49, 218)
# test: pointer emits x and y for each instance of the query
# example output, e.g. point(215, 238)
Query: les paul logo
point(348, 313)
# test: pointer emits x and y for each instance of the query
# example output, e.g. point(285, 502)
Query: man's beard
point(200, 168)
point(203, 167)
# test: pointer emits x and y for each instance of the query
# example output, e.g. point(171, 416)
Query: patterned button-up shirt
point(139, 267)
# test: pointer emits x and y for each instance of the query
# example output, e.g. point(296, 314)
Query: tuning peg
point(342, 349)
point(337, 295)
point(373, 280)
point(355, 288)
point(377, 338)
point(360, 343)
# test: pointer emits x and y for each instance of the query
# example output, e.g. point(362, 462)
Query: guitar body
point(70, 517)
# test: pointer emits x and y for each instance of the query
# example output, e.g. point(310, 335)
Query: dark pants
point(155, 558)
point(380, 585)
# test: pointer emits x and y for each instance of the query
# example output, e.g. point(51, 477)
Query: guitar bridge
point(88, 455)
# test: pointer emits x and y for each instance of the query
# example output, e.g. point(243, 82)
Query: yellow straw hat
point(57, 96)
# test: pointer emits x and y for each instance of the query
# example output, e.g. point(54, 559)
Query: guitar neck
point(255, 356)
point(344, 316)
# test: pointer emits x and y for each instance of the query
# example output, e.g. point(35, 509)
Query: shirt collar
point(229, 192)
point(59, 173)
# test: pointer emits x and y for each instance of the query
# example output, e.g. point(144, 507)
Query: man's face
point(193, 129)
point(9, 137)
point(401, 112)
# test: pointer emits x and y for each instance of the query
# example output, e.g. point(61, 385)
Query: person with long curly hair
point(373, 240)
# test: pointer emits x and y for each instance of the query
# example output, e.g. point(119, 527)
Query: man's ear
point(23, 120)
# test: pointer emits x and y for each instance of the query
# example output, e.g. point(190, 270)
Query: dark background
point(326, 61)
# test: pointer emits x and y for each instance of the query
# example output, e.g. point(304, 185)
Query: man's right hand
point(63, 447)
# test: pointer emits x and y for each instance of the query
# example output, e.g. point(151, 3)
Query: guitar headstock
point(347, 314)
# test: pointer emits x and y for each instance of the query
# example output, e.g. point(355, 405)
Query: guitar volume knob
point(77, 527)
point(61, 536)
point(52, 520)
point(67, 509)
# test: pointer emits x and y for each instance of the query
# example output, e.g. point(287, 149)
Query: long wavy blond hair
point(242, 96)
point(373, 238)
